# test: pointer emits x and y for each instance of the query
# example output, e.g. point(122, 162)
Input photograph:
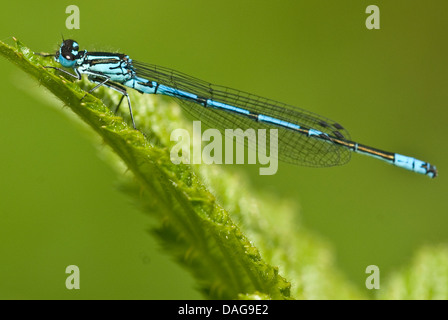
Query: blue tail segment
point(304, 138)
point(415, 165)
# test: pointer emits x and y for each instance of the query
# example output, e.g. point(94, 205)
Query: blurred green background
point(59, 204)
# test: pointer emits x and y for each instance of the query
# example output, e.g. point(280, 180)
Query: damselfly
point(304, 138)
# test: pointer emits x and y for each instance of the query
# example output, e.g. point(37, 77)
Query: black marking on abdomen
point(254, 116)
point(324, 136)
point(202, 101)
point(146, 84)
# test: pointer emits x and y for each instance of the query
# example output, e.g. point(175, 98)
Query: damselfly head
point(68, 53)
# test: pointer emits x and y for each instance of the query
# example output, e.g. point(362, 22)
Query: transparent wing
point(293, 147)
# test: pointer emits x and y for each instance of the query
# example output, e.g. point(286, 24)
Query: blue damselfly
point(304, 138)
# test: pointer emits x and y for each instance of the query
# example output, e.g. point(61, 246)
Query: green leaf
point(426, 278)
point(192, 203)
